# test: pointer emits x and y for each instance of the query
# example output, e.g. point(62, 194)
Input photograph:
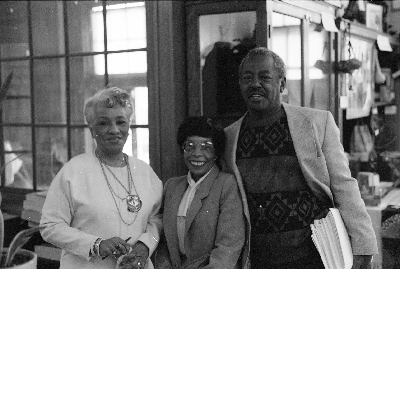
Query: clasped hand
point(134, 256)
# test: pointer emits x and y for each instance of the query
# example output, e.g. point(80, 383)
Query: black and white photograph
point(199, 135)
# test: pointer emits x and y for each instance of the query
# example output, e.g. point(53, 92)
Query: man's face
point(260, 85)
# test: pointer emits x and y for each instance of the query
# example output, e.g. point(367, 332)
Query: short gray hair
point(279, 64)
point(108, 97)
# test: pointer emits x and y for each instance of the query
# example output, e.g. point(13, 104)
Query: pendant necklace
point(133, 201)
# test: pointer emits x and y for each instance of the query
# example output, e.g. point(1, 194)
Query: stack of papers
point(332, 241)
point(32, 207)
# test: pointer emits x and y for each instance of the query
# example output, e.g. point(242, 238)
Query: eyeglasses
point(207, 148)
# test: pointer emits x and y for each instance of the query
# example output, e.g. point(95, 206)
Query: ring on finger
point(118, 246)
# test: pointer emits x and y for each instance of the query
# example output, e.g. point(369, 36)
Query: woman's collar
point(194, 183)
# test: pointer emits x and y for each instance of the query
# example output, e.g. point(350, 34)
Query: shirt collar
point(191, 181)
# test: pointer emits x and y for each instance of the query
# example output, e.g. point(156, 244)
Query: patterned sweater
point(281, 204)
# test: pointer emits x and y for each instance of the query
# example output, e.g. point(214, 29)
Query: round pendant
point(133, 202)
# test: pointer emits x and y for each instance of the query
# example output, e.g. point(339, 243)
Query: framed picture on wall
point(395, 5)
point(374, 17)
point(358, 86)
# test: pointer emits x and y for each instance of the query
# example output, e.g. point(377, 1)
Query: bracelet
point(91, 251)
point(96, 246)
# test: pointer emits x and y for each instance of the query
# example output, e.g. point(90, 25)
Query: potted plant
point(14, 257)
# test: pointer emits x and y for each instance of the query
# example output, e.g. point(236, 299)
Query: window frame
point(13, 193)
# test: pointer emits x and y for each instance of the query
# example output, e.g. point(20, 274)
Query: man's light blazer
point(316, 139)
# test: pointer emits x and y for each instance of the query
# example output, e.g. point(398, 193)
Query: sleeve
point(346, 194)
point(57, 214)
point(162, 257)
point(230, 235)
point(151, 236)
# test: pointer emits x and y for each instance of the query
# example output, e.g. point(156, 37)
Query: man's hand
point(136, 258)
point(362, 262)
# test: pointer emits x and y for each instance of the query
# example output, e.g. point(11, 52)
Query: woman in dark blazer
point(203, 218)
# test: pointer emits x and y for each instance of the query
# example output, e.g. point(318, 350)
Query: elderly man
point(290, 167)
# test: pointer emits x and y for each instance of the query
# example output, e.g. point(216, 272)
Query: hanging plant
point(348, 66)
point(341, 67)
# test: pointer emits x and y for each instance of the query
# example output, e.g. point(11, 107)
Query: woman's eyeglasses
point(207, 148)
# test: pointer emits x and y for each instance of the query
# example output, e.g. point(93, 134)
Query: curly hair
point(279, 64)
point(108, 97)
point(203, 127)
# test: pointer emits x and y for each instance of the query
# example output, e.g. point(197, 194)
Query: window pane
point(14, 24)
point(17, 106)
point(141, 103)
point(82, 141)
point(99, 64)
point(97, 28)
point(81, 33)
point(126, 25)
point(125, 63)
point(51, 154)
point(83, 84)
point(8, 50)
point(47, 27)
point(320, 81)
point(138, 144)
point(17, 147)
point(19, 137)
point(224, 41)
point(286, 42)
point(18, 173)
point(49, 87)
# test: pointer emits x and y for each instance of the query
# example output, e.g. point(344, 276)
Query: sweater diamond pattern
point(282, 211)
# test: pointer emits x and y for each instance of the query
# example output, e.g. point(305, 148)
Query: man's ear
point(282, 85)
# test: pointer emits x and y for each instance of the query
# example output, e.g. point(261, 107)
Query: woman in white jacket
point(102, 209)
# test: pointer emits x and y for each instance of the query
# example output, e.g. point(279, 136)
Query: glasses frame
point(199, 144)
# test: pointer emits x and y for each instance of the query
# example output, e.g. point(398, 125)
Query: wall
point(167, 83)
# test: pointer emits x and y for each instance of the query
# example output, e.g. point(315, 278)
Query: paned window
point(60, 53)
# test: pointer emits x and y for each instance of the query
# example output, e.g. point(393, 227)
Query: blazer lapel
point(307, 150)
point(229, 159)
point(302, 133)
point(202, 191)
